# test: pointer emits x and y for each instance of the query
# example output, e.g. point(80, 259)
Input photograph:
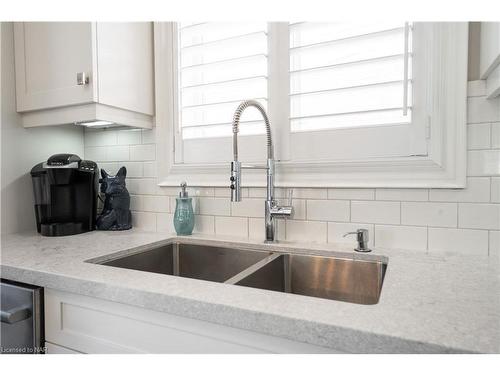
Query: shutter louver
point(220, 65)
point(349, 75)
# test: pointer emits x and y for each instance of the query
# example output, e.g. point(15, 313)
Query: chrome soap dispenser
point(184, 215)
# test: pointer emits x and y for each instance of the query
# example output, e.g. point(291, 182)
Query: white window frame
point(444, 166)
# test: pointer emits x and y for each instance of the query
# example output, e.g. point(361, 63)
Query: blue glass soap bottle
point(184, 215)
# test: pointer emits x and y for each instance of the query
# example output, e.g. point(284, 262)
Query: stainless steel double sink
point(343, 279)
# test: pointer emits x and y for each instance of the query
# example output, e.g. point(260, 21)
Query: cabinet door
point(125, 63)
point(490, 57)
point(49, 56)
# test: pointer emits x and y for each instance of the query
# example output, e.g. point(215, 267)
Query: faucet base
point(362, 250)
point(271, 241)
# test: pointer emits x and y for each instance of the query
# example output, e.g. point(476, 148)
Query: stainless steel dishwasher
point(21, 308)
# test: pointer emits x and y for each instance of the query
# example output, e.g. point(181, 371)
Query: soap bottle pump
point(184, 215)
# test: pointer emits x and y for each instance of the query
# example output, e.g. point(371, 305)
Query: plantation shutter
point(220, 65)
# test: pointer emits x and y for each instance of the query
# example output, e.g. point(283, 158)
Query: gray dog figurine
point(116, 213)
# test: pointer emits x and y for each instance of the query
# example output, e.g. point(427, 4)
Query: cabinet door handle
point(82, 79)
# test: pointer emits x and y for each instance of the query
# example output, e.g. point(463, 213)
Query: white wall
point(430, 220)
point(22, 148)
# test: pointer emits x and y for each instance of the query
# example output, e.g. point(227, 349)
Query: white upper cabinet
point(83, 72)
point(490, 57)
point(48, 57)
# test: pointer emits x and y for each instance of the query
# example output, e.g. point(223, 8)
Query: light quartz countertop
point(430, 303)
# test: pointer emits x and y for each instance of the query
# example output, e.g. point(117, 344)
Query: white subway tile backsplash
point(128, 137)
point(109, 168)
point(479, 215)
point(204, 224)
point(231, 226)
point(167, 190)
point(144, 220)
point(117, 153)
point(299, 208)
point(257, 231)
point(495, 135)
point(201, 191)
point(481, 110)
point(401, 237)
point(143, 152)
point(156, 203)
point(222, 192)
point(495, 189)
point(136, 202)
point(429, 214)
point(477, 190)
point(144, 186)
point(165, 223)
point(483, 163)
point(478, 136)
point(359, 194)
point(495, 244)
point(328, 210)
point(306, 231)
point(375, 212)
point(134, 169)
point(150, 169)
point(302, 193)
point(247, 207)
point(148, 136)
point(259, 192)
point(226, 192)
point(336, 232)
point(279, 193)
point(97, 154)
point(464, 241)
point(402, 194)
point(283, 193)
point(214, 206)
point(99, 137)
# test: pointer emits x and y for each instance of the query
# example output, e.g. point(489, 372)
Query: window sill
point(408, 172)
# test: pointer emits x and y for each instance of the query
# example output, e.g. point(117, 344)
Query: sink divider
point(287, 273)
point(175, 259)
point(253, 268)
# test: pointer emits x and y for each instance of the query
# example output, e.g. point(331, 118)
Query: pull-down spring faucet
point(272, 209)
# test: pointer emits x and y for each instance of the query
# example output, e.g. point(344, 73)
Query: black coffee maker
point(66, 189)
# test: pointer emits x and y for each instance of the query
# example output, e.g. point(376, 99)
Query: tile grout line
point(491, 189)
point(427, 242)
point(400, 213)
point(489, 135)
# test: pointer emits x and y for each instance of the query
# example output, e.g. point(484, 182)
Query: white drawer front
point(91, 325)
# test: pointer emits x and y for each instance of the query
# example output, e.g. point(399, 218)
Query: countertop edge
point(353, 341)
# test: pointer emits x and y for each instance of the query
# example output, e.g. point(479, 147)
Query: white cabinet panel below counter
point(90, 325)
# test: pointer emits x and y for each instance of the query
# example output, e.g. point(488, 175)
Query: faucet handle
point(362, 236)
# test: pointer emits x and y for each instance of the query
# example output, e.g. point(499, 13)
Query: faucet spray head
point(235, 181)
